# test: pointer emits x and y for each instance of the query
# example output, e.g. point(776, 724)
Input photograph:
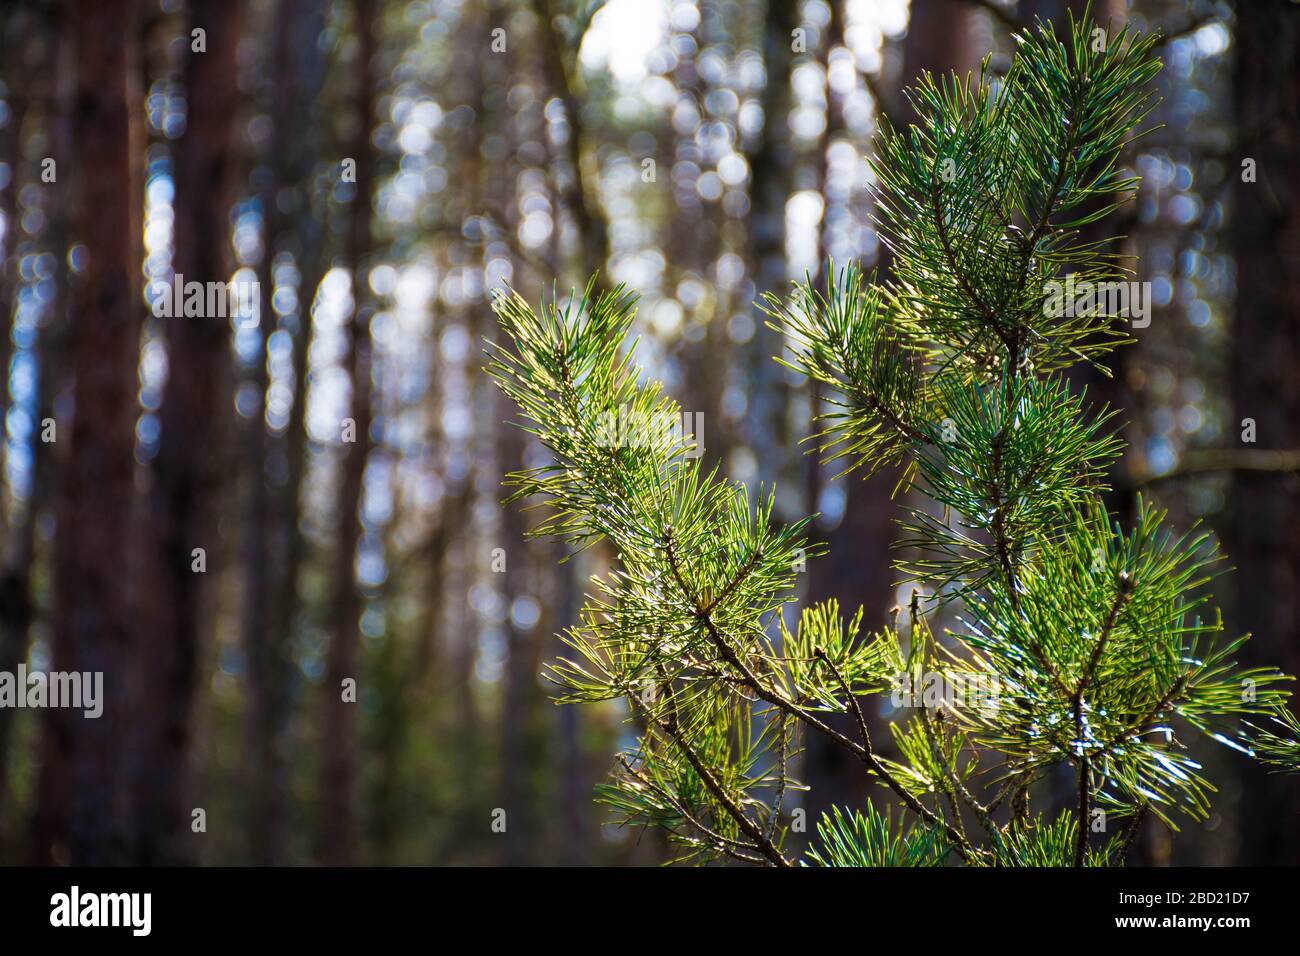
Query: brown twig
point(1213, 460)
point(734, 810)
point(1122, 593)
point(780, 701)
point(867, 753)
point(723, 844)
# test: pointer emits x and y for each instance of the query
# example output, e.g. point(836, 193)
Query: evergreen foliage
point(1099, 646)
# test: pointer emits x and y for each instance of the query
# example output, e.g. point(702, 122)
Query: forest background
point(184, 508)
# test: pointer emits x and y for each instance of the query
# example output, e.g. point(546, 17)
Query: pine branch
point(735, 849)
point(1099, 642)
point(868, 756)
point(1122, 593)
point(750, 829)
point(750, 679)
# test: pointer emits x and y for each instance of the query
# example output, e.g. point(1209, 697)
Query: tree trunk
point(14, 64)
point(80, 818)
point(577, 194)
point(339, 823)
point(1263, 508)
point(274, 545)
point(184, 489)
point(766, 427)
point(18, 610)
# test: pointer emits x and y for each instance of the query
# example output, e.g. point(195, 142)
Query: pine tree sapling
point(1071, 646)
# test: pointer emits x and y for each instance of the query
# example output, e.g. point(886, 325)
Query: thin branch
point(864, 751)
point(734, 810)
point(949, 777)
point(724, 844)
point(1001, 14)
point(1188, 29)
point(955, 785)
point(1131, 832)
point(856, 708)
point(1214, 460)
point(735, 581)
point(1122, 594)
point(1001, 539)
point(868, 756)
point(782, 776)
point(1053, 197)
point(1170, 698)
point(987, 316)
point(1081, 837)
point(875, 405)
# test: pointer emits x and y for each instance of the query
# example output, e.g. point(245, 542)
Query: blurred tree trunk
point(1263, 508)
point(520, 702)
point(80, 800)
point(18, 608)
point(387, 731)
point(260, 639)
point(340, 742)
point(15, 63)
point(835, 129)
point(939, 40)
point(272, 585)
point(766, 428)
point(521, 753)
point(686, 248)
point(185, 497)
point(523, 745)
point(579, 194)
point(460, 721)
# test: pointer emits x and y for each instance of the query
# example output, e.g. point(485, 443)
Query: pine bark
point(81, 799)
point(274, 545)
point(339, 824)
point(18, 600)
point(1264, 508)
point(185, 490)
